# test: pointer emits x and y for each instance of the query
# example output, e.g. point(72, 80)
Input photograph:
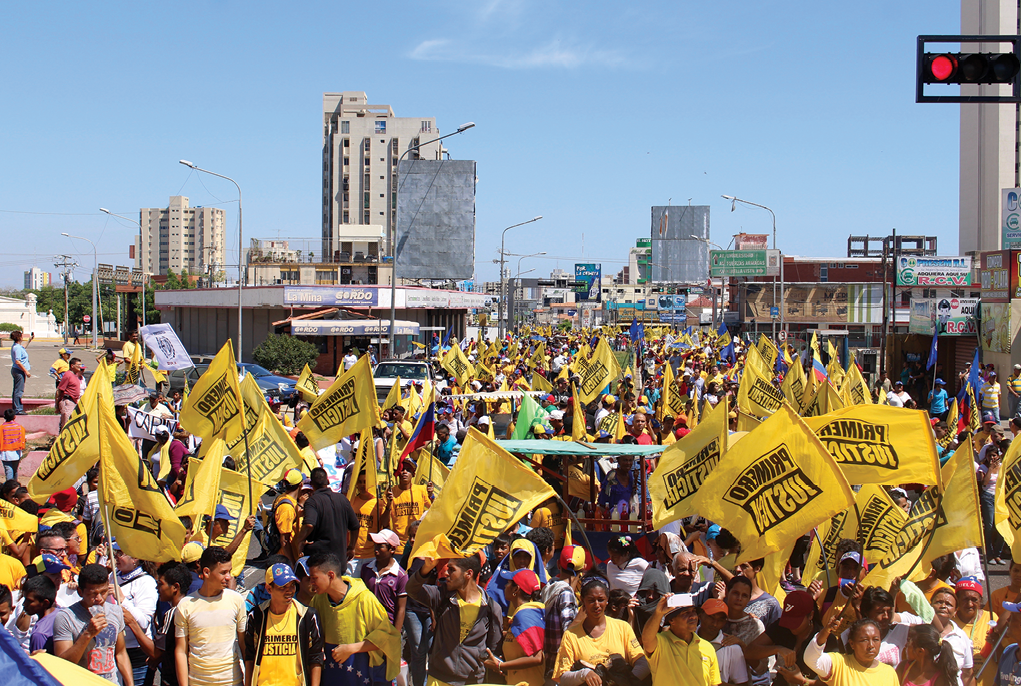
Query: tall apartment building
point(181, 237)
point(362, 144)
point(36, 278)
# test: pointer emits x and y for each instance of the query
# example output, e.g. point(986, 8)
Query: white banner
point(144, 423)
point(166, 347)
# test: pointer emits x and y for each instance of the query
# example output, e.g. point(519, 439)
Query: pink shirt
point(71, 385)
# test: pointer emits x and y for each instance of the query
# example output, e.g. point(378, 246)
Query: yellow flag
point(234, 497)
point(140, 517)
point(164, 451)
point(756, 394)
point(431, 467)
point(393, 398)
point(614, 425)
point(486, 492)
point(539, 383)
point(365, 461)
point(483, 373)
point(671, 402)
point(270, 451)
point(455, 362)
point(825, 401)
point(307, 385)
point(76, 447)
point(1007, 512)
point(538, 358)
point(17, 521)
point(564, 373)
point(879, 445)
point(960, 525)
point(215, 401)
point(880, 521)
point(347, 407)
point(908, 545)
point(822, 562)
point(597, 372)
point(951, 422)
point(854, 390)
point(767, 350)
point(746, 422)
point(202, 485)
point(578, 432)
point(685, 466)
point(773, 486)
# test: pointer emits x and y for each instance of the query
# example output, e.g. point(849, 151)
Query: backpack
point(272, 538)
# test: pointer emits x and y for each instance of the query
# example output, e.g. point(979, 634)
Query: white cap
point(484, 420)
point(556, 414)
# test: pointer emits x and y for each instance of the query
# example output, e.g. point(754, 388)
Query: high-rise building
point(362, 144)
point(990, 155)
point(36, 278)
point(181, 237)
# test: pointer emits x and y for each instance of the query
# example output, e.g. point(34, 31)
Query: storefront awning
point(351, 327)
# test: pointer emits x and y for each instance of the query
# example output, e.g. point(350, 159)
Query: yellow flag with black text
point(215, 401)
point(879, 445)
point(793, 386)
point(960, 524)
point(486, 492)
point(270, 450)
point(825, 401)
point(140, 517)
point(348, 406)
point(854, 390)
point(684, 467)
point(365, 461)
point(756, 394)
point(1007, 512)
point(578, 430)
point(822, 562)
point(307, 385)
point(596, 372)
point(773, 486)
point(202, 485)
point(908, 544)
point(393, 398)
point(767, 350)
point(76, 447)
point(234, 496)
point(458, 366)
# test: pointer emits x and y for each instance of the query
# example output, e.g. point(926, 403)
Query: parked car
point(386, 373)
point(272, 385)
point(176, 377)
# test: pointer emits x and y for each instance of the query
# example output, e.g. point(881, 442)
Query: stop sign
point(87, 319)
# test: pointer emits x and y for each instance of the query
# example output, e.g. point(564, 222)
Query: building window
point(347, 142)
point(367, 181)
point(365, 217)
point(347, 161)
point(824, 274)
point(380, 127)
point(326, 276)
point(366, 205)
point(347, 217)
point(345, 127)
point(427, 127)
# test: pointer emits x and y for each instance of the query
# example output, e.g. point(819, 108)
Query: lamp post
point(518, 277)
point(241, 247)
point(134, 221)
point(709, 242)
point(733, 203)
point(503, 281)
point(95, 286)
point(393, 237)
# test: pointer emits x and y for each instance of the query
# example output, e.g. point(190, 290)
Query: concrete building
point(989, 134)
point(36, 278)
point(362, 144)
point(23, 313)
point(358, 262)
point(260, 250)
point(181, 237)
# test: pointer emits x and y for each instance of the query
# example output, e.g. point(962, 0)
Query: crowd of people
point(336, 595)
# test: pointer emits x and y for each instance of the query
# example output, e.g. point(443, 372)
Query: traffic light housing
point(974, 67)
point(969, 68)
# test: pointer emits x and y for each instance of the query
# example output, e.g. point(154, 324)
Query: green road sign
point(744, 262)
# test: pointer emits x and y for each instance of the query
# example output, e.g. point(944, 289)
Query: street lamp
point(134, 221)
point(517, 276)
point(733, 204)
point(711, 284)
point(95, 287)
point(393, 236)
point(503, 281)
point(241, 247)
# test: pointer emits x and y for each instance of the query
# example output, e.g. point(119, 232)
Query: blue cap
point(939, 382)
point(1012, 607)
point(280, 574)
point(48, 564)
point(223, 513)
point(302, 564)
point(115, 545)
point(605, 434)
point(712, 532)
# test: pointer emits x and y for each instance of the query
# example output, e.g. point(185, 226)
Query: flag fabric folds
point(348, 406)
point(215, 401)
point(202, 485)
point(307, 385)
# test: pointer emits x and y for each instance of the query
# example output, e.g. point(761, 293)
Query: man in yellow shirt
point(405, 502)
point(285, 513)
point(678, 655)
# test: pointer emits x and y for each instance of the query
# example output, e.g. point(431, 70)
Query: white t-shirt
point(963, 650)
point(349, 361)
point(629, 578)
point(733, 667)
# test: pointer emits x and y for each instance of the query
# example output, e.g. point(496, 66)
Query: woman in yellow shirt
point(593, 639)
point(860, 668)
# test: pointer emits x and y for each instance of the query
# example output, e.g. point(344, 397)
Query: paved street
point(41, 355)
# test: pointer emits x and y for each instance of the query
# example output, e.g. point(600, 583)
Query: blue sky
point(586, 113)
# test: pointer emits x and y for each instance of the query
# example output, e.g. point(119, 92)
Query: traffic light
point(974, 67)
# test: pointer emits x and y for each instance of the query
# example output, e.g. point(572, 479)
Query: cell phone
point(679, 600)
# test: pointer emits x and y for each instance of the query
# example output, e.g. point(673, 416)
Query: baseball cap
point(940, 382)
point(605, 434)
point(714, 606)
point(851, 555)
point(160, 430)
point(900, 492)
point(539, 430)
point(484, 419)
point(48, 564)
point(191, 552)
point(386, 536)
point(1012, 607)
point(796, 606)
point(970, 583)
point(556, 414)
point(712, 532)
point(293, 476)
point(223, 513)
point(302, 564)
point(527, 580)
point(610, 399)
point(63, 351)
point(280, 574)
point(573, 557)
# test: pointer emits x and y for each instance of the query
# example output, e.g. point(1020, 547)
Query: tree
point(285, 354)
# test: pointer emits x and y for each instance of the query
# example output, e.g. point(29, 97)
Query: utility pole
point(66, 264)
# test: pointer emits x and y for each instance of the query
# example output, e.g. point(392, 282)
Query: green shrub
point(285, 354)
point(7, 327)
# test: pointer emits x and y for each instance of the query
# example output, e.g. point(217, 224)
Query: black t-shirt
point(164, 630)
point(331, 517)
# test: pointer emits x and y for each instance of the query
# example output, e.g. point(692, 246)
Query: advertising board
point(931, 272)
point(591, 274)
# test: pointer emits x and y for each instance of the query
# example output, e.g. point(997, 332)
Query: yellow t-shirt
point(997, 598)
point(11, 572)
point(367, 524)
point(976, 630)
point(128, 351)
point(578, 482)
point(59, 366)
point(618, 638)
point(675, 661)
point(286, 515)
point(552, 518)
point(512, 650)
point(469, 613)
point(309, 460)
point(211, 626)
point(407, 507)
point(848, 672)
point(280, 664)
point(670, 439)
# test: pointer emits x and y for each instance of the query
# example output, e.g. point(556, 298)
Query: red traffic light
point(942, 67)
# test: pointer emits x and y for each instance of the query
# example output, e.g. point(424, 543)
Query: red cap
point(969, 583)
point(714, 606)
point(527, 581)
point(796, 606)
point(65, 500)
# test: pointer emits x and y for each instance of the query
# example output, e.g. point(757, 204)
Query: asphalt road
point(41, 354)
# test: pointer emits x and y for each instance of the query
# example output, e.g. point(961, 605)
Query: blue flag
point(932, 352)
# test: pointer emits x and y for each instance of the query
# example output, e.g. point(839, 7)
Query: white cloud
point(556, 53)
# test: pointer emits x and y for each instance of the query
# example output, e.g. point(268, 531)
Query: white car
point(386, 374)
